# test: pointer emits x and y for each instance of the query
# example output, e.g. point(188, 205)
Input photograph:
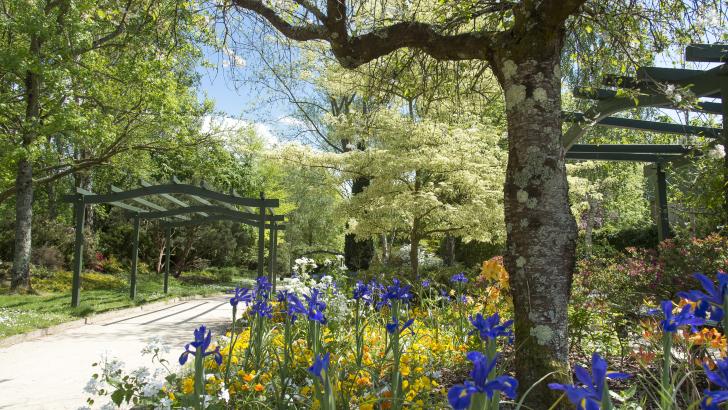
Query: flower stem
point(666, 383)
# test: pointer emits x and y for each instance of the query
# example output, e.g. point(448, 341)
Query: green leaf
point(118, 396)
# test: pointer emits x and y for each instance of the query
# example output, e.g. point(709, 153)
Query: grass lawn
point(24, 313)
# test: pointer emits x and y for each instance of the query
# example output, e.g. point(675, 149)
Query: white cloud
point(228, 128)
point(292, 122)
point(233, 59)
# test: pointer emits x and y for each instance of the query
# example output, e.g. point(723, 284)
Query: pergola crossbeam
point(632, 148)
point(642, 125)
point(146, 203)
point(620, 156)
point(707, 53)
point(171, 198)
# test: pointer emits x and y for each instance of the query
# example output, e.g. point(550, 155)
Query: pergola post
point(724, 99)
point(663, 221)
point(134, 257)
point(79, 208)
point(167, 256)
point(272, 254)
point(261, 237)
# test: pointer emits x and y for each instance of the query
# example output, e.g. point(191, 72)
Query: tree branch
point(352, 52)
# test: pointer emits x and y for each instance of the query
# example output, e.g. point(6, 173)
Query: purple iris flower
point(315, 307)
point(426, 283)
point(711, 299)
point(459, 278)
point(295, 307)
point(684, 318)
point(588, 393)
point(262, 308)
point(397, 291)
point(241, 295)
point(363, 292)
point(460, 395)
point(394, 327)
point(490, 328)
point(719, 377)
point(320, 363)
point(263, 287)
point(201, 342)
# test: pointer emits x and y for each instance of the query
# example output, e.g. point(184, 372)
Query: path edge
point(111, 314)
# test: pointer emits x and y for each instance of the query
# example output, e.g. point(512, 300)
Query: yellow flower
point(248, 377)
point(188, 385)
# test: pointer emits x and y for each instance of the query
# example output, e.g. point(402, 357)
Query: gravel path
point(51, 372)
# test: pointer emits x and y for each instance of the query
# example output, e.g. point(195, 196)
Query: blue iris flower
point(719, 377)
point(709, 300)
point(320, 363)
point(426, 283)
point(363, 292)
point(392, 327)
point(241, 295)
point(490, 328)
point(684, 318)
point(459, 278)
point(263, 287)
point(202, 342)
point(588, 393)
point(396, 291)
point(295, 307)
point(315, 307)
point(262, 308)
point(459, 395)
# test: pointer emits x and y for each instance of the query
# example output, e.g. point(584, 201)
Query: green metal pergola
point(648, 89)
point(145, 203)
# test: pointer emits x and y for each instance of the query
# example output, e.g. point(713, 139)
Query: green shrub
point(473, 253)
point(226, 274)
point(200, 277)
point(112, 266)
point(639, 237)
point(61, 281)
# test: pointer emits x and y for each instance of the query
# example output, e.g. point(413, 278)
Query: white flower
point(164, 404)
point(152, 388)
point(155, 345)
point(109, 406)
point(93, 386)
point(141, 373)
point(224, 394)
point(670, 89)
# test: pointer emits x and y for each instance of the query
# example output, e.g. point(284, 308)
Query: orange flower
point(643, 357)
point(259, 387)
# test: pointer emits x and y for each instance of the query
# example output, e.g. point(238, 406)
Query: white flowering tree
point(428, 178)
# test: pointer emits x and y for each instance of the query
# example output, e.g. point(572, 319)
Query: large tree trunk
point(384, 242)
point(358, 253)
point(449, 250)
point(541, 231)
point(23, 224)
point(414, 256)
point(24, 180)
